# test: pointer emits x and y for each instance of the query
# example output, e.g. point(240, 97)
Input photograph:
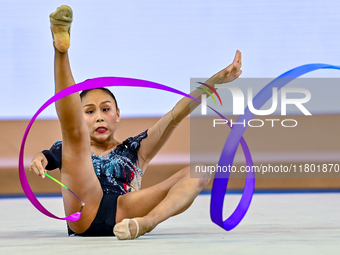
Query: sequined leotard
point(117, 172)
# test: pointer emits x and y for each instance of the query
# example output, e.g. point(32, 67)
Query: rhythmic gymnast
point(105, 173)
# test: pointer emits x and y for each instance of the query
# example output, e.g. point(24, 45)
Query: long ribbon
point(227, 155)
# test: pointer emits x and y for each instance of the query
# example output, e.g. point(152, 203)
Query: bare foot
point(129, 229)
point(61, 21)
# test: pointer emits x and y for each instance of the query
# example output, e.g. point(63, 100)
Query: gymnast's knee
point(203, 179)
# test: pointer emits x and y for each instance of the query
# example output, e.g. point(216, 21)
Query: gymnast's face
point(101, 115)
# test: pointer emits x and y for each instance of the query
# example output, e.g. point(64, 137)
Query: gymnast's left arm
point(161, 131)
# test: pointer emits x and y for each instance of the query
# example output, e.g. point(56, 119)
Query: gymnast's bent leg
point(77, 170)
point(166, 199)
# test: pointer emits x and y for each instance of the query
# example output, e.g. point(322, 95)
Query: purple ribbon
point(88, 84)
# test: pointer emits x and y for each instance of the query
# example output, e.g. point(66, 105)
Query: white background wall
point(167, 41)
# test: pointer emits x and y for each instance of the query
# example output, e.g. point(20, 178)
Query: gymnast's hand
point(38, 164)
point(228, 74)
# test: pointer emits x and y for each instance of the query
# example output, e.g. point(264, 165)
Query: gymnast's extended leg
point(77, 170)
point(161, 201)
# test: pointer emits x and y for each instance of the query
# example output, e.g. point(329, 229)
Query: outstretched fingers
point(230, 73)
point(238, 58)
point(233, 71)
point(235, 67)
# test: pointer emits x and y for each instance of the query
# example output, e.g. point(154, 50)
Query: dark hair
point(84, 92)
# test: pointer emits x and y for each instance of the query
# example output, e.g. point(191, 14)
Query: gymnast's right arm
point(161, 131)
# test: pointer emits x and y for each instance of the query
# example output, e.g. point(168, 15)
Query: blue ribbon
point(229, 150)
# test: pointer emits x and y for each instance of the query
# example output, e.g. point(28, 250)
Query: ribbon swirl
point(227, 156)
